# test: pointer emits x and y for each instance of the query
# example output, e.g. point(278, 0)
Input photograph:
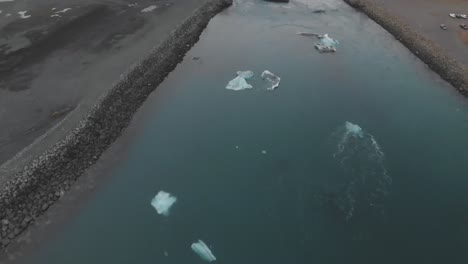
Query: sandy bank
point(427, 50)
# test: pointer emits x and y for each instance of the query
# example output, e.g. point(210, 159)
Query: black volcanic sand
point(30, 192)
point(50, 66)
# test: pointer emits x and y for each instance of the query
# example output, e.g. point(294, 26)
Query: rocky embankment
point(45, 180)
point(429, 52)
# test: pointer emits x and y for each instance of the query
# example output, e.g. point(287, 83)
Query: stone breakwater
point(42, 182)
point(426, 50)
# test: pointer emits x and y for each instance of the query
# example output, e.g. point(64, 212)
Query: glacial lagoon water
point(359, 156)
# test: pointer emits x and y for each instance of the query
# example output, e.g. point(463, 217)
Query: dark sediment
point(429, 52)
point(41, 183)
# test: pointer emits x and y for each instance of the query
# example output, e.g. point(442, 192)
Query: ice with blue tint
point(163, 202)
point(239, 83)
point(203, 251)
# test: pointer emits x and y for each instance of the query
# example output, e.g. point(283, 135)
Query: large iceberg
point(163, 202)
point(203, 251)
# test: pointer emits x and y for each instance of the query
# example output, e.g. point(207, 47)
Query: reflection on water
point(280, 176)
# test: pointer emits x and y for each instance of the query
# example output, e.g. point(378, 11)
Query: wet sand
point(427, 15)
point(57, 62)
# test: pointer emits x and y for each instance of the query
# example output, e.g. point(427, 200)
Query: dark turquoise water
point(394, 192)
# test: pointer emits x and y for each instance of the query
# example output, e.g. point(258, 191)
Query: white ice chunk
point(238, 84)
point(353, 129)
point(264, 152)
point(162, 202)
point(273, 79)
point(23, 15)
point(1, 1)
point(203, 251)
point(245, 74)
point(149, 8)
point(63, 11)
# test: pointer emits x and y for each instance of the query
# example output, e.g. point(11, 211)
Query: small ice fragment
point(149, 8)
point(23, 15)
point(55, 15)
point(7, 15)
point(326, 40)
point(203, 251)
point(326, 43)
point(238, 84)
point(1, 1)
point(53, 8)
point(166, 254)
point(264, 152)
point(245, 74)
point(0, 11)
point(134, 4)
point(273, 79)
point(162, 202)
point(323, 48)
point(63, 11)
point(237, 147)
point(353, 129)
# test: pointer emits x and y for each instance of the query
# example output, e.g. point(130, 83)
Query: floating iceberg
point(273, 79)
point(326, 43)
point(149, 8)
point(326, 40)
point(239, 83)
point(23, 15)
point(162, 202)
point(203, 251)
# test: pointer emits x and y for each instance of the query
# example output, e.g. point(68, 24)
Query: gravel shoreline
point(46, 179)
point(426, 50)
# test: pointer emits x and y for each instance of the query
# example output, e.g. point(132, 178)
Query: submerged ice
point(203, 251)
point(367, 182)
point(163, 202)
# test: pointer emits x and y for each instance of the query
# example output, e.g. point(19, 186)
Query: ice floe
point(239, 83)
point(203, 251)
point(163, 202)
point(149, 8)
point(23, 15)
